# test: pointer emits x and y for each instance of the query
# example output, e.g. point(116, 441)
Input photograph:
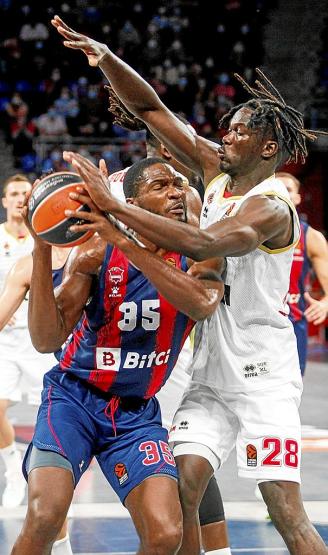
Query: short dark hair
point(133, 176)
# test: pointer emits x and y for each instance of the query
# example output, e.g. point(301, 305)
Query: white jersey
point(11, 249)
point(249, 342)
point(115, 181)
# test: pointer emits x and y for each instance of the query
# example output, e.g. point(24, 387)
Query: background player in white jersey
point(16, 288)
point(15, 346)
point(214, 530)
point(249, 345)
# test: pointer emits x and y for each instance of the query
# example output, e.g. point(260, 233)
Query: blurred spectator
point(161, 41)
point(51, 124)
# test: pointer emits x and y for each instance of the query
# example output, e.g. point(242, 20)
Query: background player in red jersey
point(311, 251)
point(99, 400)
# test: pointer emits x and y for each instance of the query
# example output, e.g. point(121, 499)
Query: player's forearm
point(227, 239)
point(45, 324)
point(186, 293)
point(135, 93)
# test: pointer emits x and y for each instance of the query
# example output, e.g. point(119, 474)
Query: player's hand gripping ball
point(46, 210)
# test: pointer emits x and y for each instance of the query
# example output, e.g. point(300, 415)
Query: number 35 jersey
point(248, 343)
point(129, 338)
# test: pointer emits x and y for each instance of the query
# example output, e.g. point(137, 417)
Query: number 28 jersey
point(130, 336)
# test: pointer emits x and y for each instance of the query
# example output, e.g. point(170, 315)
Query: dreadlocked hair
point(270, 111)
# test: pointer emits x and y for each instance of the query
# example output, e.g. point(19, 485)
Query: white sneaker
point(14, 492)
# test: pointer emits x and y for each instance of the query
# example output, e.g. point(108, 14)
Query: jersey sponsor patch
point(255, 369)
point(110, 359)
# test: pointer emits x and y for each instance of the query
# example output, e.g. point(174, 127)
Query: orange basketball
point(47, 205)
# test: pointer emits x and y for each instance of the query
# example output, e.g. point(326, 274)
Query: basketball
point(46, 210)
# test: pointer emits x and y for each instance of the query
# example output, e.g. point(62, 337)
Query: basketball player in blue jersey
point(246, 382)
point(135, 306)
point(214, 530)
point(311, 251)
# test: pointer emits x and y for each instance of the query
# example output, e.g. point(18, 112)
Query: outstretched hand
point(122, 116)
point(94, 50)
point(94, 179)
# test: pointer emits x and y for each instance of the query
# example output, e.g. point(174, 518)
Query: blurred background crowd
point(50, 99)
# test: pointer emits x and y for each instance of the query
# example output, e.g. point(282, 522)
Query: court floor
point(100, 525)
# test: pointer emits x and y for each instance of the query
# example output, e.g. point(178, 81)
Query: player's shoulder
point(217, 182)
point(117, 177)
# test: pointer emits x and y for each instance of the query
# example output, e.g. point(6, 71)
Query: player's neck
point(16, 228)
point(241, 184)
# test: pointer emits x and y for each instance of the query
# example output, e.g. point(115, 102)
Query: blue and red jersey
point(299, 277)
point(129, 337)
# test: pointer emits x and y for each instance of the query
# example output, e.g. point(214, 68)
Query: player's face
point(292, 189)
point(163, 192)
point(14, 198)
point(241, 147)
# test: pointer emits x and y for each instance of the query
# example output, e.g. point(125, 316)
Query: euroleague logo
point(121, 473)
point(251, 454)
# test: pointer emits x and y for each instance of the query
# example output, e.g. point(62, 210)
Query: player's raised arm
point(53, 314)
point(140, 98)
point(317, 249)
point(15, 288)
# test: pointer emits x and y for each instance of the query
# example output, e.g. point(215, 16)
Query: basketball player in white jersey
point(15, 345)
point(15, 291)
point(246, 383)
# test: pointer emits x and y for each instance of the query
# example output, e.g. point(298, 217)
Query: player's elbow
point(44, 344)
point(203, 246)
point(207, 304)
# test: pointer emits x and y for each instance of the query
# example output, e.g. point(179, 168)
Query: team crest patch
point(121, 473)
point(116, 275)
point(210, 198)
point(251, 453)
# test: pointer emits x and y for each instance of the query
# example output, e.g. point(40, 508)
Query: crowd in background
point(46, 91)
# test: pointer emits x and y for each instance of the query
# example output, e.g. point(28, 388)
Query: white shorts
point(264, 426)
point(22, 368)
point(171, 394)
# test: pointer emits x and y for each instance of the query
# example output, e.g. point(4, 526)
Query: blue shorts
point(124, 434)
point(301, 332)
